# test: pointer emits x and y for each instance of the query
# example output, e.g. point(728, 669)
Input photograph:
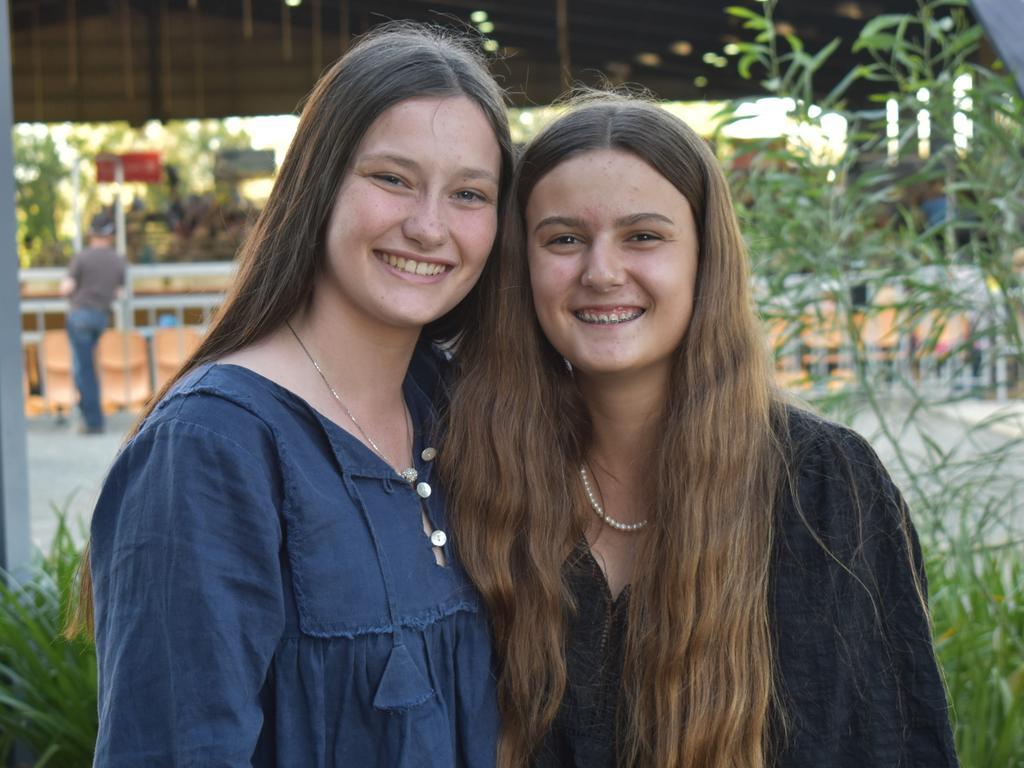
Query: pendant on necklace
point(409, 475)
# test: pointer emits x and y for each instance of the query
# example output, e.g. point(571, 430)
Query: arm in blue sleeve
point(186, 566)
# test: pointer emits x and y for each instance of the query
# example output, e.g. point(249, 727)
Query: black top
point(859, 688)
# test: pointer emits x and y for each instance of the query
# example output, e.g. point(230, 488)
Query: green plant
point(840, 240)
point(978, 619)
point(47, 683)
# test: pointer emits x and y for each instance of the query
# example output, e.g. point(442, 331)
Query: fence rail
point(819, 336)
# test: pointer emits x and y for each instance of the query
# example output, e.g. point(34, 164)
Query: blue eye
point(470, 196)
point(388, 178)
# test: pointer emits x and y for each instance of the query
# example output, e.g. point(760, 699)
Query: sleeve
point(188, 595)
point(888, 557)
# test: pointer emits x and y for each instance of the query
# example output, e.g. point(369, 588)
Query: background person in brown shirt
point(94, 280)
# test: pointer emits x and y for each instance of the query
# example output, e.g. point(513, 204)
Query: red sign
point(138, 166)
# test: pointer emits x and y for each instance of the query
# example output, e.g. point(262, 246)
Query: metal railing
point(158, 290)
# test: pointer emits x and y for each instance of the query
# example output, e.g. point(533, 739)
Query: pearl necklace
point(599, 510)
point(409, 474)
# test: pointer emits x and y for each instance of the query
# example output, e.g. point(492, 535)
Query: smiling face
point(415, 216)
point(612, 251)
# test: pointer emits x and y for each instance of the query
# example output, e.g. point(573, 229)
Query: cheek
point(475, 231)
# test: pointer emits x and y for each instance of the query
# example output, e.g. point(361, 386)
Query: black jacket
point(859, 682)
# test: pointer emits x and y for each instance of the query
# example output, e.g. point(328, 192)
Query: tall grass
point(47, 683)
point(978, 616)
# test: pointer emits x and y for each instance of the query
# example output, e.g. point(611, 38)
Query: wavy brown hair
point(284, 255)
point(698, 688)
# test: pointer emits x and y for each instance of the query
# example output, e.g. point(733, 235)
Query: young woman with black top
point(682, 569)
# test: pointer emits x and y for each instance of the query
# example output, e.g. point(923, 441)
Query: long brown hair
point(698, 684)
point(283, 256)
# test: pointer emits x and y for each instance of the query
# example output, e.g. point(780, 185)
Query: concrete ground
point(66, 469)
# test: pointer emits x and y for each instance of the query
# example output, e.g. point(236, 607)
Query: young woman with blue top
point(271, 569)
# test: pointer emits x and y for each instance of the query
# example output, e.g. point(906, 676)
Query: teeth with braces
point(411, 266)
point(608, 318)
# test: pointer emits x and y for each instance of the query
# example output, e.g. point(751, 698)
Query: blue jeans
point(84, 329)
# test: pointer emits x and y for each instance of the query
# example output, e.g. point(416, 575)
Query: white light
point(491, 46)
point(963, 126)
point(700, 81)
point(732, 49)
point(923, 95)
point(892, 129)
point(293, 3)
point(834, 125)
point(813, 111)
point(486, 27)
point(478, 17)
point(526, 118)
point(831, 175)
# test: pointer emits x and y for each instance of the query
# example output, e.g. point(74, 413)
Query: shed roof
point(97, 60)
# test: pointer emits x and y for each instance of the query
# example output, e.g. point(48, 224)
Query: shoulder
point(225, 404)
point(838, 489)
point(820, 451)
point(813, 437)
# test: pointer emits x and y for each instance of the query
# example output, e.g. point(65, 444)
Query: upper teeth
point(411, 266)
point(621, 316)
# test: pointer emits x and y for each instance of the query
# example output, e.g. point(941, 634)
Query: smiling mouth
point(616, 317)
point(413, 267)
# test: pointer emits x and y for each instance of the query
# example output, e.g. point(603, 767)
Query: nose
point(426, 224)
point(603, 268)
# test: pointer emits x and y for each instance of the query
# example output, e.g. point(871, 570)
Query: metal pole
point(15, 539)
point(121, 242)
point(127, 318)
point(76, 191)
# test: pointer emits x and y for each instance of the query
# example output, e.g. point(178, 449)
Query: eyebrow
point(565, 221)
point(636, 218)
point(624, 221)
point(407, 162)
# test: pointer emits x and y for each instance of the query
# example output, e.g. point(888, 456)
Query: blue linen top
point(265, 594)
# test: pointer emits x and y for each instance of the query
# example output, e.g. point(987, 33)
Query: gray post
point(15, 540)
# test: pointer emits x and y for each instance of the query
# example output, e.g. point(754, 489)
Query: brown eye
point(564, 240)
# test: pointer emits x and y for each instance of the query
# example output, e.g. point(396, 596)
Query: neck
point(367, 362)
point(624, 416)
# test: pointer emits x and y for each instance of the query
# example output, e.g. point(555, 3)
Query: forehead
point(603, 182)
point(454, 126)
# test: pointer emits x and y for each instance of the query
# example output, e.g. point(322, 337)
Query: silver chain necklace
point(599, 510)
point(409, 474)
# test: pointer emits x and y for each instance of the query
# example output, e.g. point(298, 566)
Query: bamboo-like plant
point(841, 247)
